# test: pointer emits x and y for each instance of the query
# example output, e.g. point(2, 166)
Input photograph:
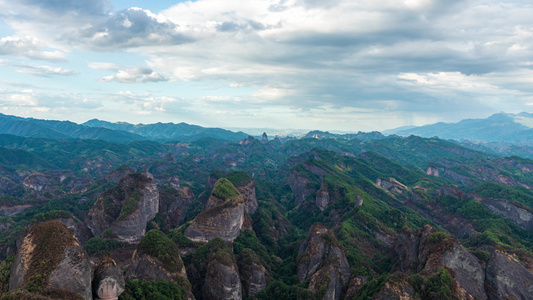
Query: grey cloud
point(76, 7)
point(129, 28)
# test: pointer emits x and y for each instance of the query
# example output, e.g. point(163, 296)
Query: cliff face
point(323, 262)
point(126, 208)
point(222, 279)
point(250, 199)
point(509, 211)
point(507, 278)
point(428, 250)
point(174, 203)
point(51, 259)
point(254, 276)
point(223, 215)
point(300, 186)
point(108, 281)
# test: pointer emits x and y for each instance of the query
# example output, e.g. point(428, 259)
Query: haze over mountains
point(500, 127)
point(112, 132)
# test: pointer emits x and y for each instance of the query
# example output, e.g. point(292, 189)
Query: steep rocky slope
point(51, 260)
point(223, 215)
point(126, 208)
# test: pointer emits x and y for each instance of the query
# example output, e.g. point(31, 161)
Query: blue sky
point(330, 65)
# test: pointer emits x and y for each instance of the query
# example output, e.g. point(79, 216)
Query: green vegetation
point(50, 240)
point(225, 190)
point(156, 244)
point(131, 205)
point(143, 289)
point(97, 246)
point(239, 178)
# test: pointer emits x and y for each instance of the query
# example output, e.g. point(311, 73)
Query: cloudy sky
point(313, 64)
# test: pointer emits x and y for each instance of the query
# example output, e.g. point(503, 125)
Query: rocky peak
point(126, 208)
point(222, 278)
point(392, 185)
point(245, 185)
point(118, 173)
point(51, 259)
point(108, 281)
point(264, 138)
point(223, 215)
point(323, 262)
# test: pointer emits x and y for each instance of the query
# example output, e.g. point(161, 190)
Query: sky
point(328, 65)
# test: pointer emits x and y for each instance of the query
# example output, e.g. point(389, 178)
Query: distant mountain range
point(112, 132)
point(499, 128)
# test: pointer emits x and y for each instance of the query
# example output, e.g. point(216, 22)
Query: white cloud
point(28, 47)
point(44, 70)
point(127, 74)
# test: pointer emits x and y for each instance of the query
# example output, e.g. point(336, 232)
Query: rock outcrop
point(323, 262)
point(254, 276)
point(51, 259)
point(156, 258)
point(392, 185)
point(108, 281)
point(245, 185)
point(222, 278)
point(427, 249)
point(126, 208)
point(507, 278)
point(117, 174)
point(174, 204)
point(223, 215)
point(509, 211)
point(396, 287)
point(301, 186)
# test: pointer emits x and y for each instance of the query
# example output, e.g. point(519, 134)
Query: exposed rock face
point(253, 274)
point(147, 267)
point(250, 199)
point(222, 279)
point(391, 185)
point(322, 199)
point(126, 208)
point(118, 173)
point(264, 138)
point(468, 271)
point(396, 287)
point(323, 262)
point(507, 278)
point(421, 249)
point(223, 215)
point(432, 171)
point(174, 202)
point(108, 281)
point(354, 285)
point(50, 251)
point(38, 182)
point(509, 211)
point(300, 186)
point(9, 211)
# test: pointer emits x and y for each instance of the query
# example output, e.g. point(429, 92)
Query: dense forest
point(359, 216)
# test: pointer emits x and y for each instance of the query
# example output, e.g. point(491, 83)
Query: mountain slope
point(501, 127)
point(29, 127)
point(169, 131)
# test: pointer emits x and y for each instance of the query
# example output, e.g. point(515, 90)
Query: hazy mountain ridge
point(169, 131)
point(122, 133)
point(500, 127)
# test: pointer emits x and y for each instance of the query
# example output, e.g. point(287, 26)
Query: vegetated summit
point(355, 216)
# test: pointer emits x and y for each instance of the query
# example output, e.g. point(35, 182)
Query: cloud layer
point(339, 64)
